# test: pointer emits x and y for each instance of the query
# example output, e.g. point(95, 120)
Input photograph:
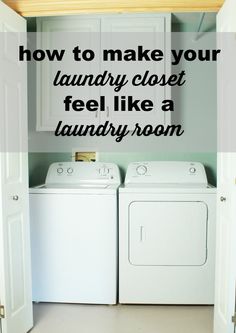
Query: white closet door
point(15, 273)
point(226, 212)
point(225, 245)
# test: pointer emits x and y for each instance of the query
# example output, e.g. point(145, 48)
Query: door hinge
point(234, 319)
point(2, 312)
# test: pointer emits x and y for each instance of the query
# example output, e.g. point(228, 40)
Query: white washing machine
point(73, 219)
point(167, 220)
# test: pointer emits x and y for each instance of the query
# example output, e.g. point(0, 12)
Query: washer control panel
point(83, 172)
point(166, 172)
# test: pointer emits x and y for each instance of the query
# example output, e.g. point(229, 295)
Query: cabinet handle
point(15, 197)
point(108, 111)
point(222, 199)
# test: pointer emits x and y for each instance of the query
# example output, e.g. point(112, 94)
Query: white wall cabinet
point(147, 31)
point(98, 29)
point(50, 99)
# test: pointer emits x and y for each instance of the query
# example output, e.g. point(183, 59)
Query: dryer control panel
point(83, 172)
point(166, 172)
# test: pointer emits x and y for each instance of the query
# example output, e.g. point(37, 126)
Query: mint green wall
point(39, 162)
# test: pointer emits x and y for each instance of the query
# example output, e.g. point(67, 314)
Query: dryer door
point(168, 233)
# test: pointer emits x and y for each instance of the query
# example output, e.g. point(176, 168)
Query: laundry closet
point(195, 108)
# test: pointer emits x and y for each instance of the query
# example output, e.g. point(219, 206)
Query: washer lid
point(74, 186)
point(83, 189)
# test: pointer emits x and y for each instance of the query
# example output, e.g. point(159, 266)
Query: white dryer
point(167, 220)
point(73, 220)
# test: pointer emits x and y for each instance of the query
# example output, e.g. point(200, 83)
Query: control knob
point(192, 170)
point(103, 171)
point(70, 170)
point(59, 170)
point(141, 170)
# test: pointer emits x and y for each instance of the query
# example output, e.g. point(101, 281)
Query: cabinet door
point(65, 33)
point(15, 268)
point(128, 32)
